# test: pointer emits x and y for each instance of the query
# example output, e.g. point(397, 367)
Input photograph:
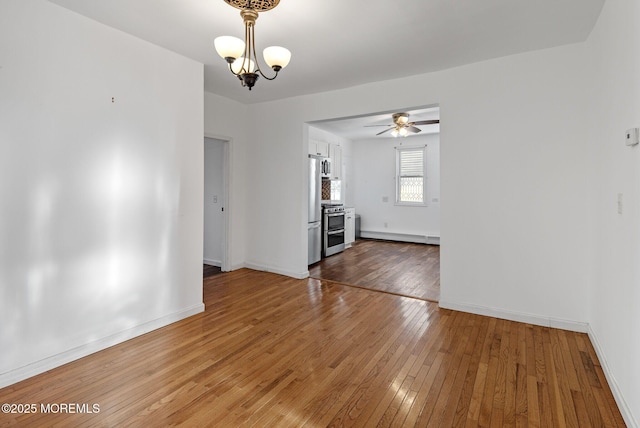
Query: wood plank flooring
point(402, 268)
point(272, 351)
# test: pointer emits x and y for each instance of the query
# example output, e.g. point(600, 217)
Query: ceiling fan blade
point(413, 129)
point(426, 122)
point(386, 130)
point(369, 126)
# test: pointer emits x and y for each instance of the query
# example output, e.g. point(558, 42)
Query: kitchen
point(331, 227)
point(362, 180)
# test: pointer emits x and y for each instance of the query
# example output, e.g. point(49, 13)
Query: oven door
point(333, 242)
point(334, 221)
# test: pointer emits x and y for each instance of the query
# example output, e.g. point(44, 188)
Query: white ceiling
point(342, 43)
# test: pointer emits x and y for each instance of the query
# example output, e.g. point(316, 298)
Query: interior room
point(386, 169)
point(104, 112)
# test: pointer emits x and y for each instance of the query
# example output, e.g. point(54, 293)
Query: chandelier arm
point(258, 69)
point(248, 41)
point(249, 45)
point(268, 78)
point(253, 48)
point(233, 72)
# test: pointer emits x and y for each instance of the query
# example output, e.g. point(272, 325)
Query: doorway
point(216, 198)
point(392, 180)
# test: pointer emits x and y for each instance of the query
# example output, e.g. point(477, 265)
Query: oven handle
point(335, 232)
point(334, 215)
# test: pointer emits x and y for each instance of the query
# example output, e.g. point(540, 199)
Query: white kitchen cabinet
point(335, 153)
point(349, 226)
point(320, 148)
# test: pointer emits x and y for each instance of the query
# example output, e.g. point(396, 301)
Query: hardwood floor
point(399, 268)
point(272, 351)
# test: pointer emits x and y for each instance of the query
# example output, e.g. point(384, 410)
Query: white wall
point(513, 180)
point(614, 48)
point(348, 178)
point(101, 221)
point(213, 200)
point(514, 189)
point(277, 187)
point(374, 170)
point(227, 120)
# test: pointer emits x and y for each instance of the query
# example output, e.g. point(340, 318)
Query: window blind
point(412, 163)
point(410, 176)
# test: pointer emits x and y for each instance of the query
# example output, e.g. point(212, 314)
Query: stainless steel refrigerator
point(314, 225)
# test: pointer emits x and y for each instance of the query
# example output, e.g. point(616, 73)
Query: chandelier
point(241, 55)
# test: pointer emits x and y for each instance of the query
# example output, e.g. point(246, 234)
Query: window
point(410, 177)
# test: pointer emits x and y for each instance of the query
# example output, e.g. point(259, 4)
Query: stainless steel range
point(333, 221)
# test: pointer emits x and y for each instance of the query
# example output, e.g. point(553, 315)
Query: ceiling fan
point(402, 127)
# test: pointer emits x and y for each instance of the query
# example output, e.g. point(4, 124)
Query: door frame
point(226, 205)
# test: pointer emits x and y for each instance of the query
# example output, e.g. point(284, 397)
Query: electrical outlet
point(215, 199)
point(385, 199)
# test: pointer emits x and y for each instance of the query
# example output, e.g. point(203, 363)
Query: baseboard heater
point(401, 237)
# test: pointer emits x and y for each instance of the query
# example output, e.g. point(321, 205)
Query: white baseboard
point(433, 240)
point(580, 327)
point(211, 262)
point(401, 237)
point(272, 269)
point(58, 360)
point(613, 384)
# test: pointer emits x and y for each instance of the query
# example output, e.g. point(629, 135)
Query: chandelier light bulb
point(394, 133)
point(243, 65)
point(277, 57)
point(229, 47)
point(403, 132)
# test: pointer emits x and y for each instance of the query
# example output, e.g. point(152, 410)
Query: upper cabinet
point(335, 153)
point(319, 148)
point(331, 151)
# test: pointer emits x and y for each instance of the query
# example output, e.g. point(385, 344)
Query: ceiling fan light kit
point(241, 55)
point(399, 131)
point(400, 118)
